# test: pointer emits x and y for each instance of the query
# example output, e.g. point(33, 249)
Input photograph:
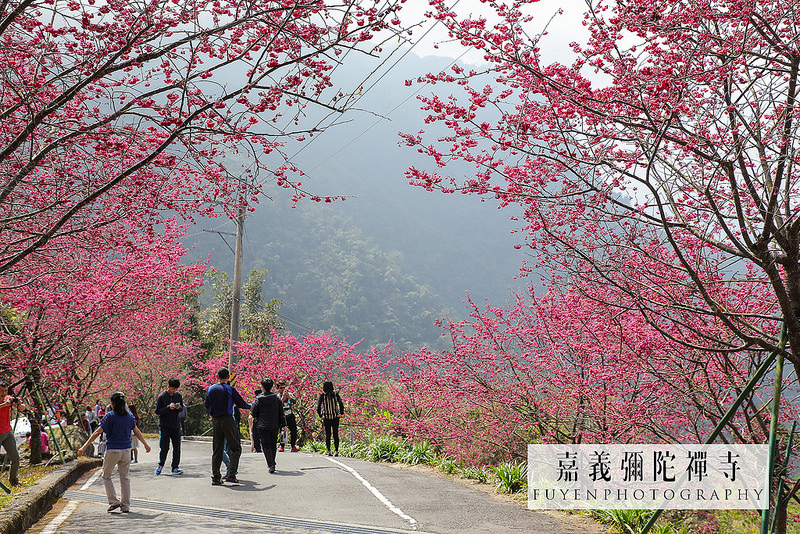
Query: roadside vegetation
point(28, 476)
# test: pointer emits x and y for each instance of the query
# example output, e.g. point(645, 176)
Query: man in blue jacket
point(220, 400)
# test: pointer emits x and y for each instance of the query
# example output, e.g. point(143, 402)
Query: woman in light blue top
point(118, 425)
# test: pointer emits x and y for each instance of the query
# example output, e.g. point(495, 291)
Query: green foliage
point(315, 446)
point(669, 528)
point(512, 476)
point(335, 278)
point(627, 521)
point(197, 421)
point(257, 317)
point(419, 453)
point(479, 474)
point(385, 449)
point(748, 521)
point(353, 450)
point(10, 322)
point(633, 522)
point(447, 465)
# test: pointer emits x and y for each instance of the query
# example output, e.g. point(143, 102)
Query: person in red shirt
point(7, 440)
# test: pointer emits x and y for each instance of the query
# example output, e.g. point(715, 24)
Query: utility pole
point(237, 289)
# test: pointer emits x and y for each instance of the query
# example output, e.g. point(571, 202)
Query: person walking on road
point(268, 418)
point(118, 425)
point(330, 408)
point(168, 406)
point(220, 400)
point(288, 412)
point(7, 439)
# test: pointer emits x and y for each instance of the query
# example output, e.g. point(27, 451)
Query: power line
point(295, 323)
point(363, 93)
point(378, 121)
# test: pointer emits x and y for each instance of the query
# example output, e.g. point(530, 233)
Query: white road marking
point(377, 493)
point(91, 480)
point(52, 526)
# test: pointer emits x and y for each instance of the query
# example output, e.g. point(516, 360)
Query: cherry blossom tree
point(660, 160)
point(145, 369)
point(97, 311)
point(669, 141)
point(570, 366)
point(119, 110)
point(305, 362)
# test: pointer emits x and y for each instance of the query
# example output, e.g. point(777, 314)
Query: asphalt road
point(309, 493)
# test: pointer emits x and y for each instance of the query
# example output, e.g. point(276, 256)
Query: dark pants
point(291, 422)
point(269, 442)
point(331, 426)
point(255, 437)
point(225, 429)
point(167, 435)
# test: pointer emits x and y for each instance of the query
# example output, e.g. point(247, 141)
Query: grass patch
point(749, 521)
point(28, 476)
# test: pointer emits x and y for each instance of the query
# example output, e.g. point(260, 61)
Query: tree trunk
point(780, 519)
point(35, 442)
point(35, 418)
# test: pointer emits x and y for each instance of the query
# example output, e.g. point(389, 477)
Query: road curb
point(30, 506)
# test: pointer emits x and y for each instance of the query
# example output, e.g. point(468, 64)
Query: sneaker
point(232, 479)
point(126, 511)
point(113, 507)
point(281, 449)
point(329, 453)
point(177, 471)
point(134, 461)
point(272, 469)
point(336, 453)
point(216, 482)
point(158, 469)
point(295, 449)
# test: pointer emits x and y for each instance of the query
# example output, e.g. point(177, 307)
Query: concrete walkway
point(309, 493)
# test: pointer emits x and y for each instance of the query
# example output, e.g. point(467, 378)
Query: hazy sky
point(564, 28)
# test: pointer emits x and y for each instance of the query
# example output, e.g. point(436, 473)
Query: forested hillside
point(391, 258)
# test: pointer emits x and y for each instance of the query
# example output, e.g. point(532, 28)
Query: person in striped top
point(330, 408)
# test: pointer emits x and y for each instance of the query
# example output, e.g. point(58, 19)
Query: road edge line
point(380, 496)
point(52, 526)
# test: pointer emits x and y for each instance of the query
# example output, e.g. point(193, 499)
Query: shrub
point(479, 474)
point(315, 446)
point(447, 465)
point(633, 521)
point(384, 449)
point(512, 477)
point(353, 450)
point(420, 453)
